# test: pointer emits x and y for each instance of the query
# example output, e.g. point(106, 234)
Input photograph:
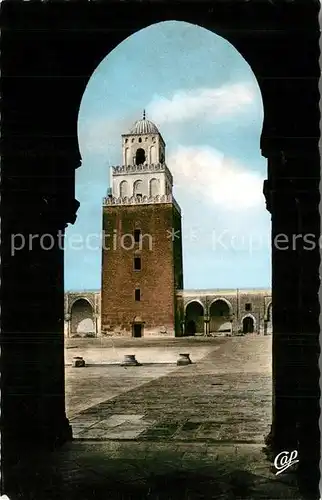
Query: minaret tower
point(142, 246)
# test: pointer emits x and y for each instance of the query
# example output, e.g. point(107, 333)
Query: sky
point(205, 100)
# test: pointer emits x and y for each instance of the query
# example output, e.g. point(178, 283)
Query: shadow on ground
point(87, 473)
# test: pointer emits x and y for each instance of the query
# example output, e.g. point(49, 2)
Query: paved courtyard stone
point(162, 432)
point(225, 396)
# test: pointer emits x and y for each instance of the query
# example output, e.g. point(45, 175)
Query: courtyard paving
point(193, 432)
point(223, 397)
point(104, 377)
point(162, 432)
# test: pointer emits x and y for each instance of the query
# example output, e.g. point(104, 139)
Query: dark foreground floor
point(126, 471)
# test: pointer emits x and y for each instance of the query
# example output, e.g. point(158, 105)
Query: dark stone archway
point(139, 156)
point(194, 318)
point(219, 316)
point(48, 56)
point(248, 325)
point(82, 319)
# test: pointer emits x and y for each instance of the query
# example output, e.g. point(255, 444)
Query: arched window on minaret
point(139, 156)
point(154, 187)
point(153, 155)
point(124, 189)
point(127, 156)
point(137, 188)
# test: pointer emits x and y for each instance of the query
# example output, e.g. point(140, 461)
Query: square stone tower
point(142, 241)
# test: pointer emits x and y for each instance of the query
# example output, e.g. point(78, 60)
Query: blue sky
point(205, 100)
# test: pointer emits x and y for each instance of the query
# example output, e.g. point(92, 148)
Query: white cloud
point(212, 104)
point(97, 135)
point(223, 208)
point(207, 175)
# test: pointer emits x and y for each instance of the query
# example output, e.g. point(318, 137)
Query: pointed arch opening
point(124, 189)
point(154, 188)
point(220, 312)
point(82, 319)
point(208, 175)
point(140, 156)
point(206, 127)
point(138, 188)
point(194, 319)
point(248, 325)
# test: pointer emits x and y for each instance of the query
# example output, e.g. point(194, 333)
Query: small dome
point(144, 126)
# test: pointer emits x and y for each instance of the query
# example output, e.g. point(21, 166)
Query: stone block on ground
point(129, 360)
point(78, 362)
point(184, 359)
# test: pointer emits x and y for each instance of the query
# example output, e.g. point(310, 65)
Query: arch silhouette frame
point(289, 141)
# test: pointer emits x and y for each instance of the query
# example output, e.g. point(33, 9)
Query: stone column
point(39, 156)
point(232, 323)
point(32, 350)
point(98, 325)
point(95, 324)
point(280, 200)
point(206, 326)
point(67, 323)
point(294, 204)
point(206, 317)
point(309, 440)
point(265, 327)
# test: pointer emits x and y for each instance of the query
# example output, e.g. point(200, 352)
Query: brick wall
point(156, 280)
point(177, 266)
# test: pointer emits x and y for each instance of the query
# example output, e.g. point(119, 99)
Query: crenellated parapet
point(140, 200)
point(144, 168)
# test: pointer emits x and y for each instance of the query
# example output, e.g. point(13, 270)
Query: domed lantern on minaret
point(143, 144)
point(143, 155)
